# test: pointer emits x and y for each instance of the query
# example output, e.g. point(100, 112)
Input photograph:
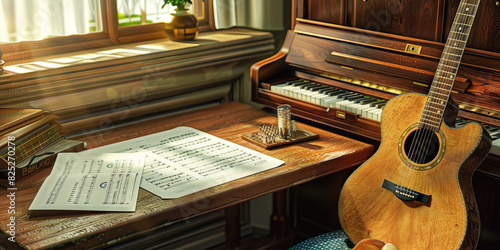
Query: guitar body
point(450, 219)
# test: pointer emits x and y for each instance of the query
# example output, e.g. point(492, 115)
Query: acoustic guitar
point(416, 190)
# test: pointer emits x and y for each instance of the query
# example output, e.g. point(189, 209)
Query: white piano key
point(377, 115)
point(288, 90)
point(300, 94)
point(373, 114)
point(278, 88)
point(333, 101)
point(328, 101)
point(353, 107)
point(360, 110)
point(307, 95)
point(317, 98)
point(339, 104)
point(345, 106)
point(365, 111)
point(293, 91)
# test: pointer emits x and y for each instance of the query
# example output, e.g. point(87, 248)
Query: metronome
point(285, 133)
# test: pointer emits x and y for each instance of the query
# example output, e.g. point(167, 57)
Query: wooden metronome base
point(299, 136)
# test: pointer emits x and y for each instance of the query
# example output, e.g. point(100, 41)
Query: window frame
point(110, 35)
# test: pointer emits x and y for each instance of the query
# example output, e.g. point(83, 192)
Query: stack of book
point(29, 140)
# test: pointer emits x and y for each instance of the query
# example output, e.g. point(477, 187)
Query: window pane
point(28, 20)
point(134, 12)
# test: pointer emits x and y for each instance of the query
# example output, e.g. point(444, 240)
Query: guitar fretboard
point(449, 63)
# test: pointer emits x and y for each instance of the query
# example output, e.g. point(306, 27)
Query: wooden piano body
point(375, 50)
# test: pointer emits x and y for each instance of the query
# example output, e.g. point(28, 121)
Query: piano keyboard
point(365, 106)
point(330, 97)
point(494, 133)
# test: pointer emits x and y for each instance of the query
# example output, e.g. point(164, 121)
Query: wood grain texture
point(417, 19)
point(367, 210)
point(484, 34)
point(330, 11)
point(304, 162)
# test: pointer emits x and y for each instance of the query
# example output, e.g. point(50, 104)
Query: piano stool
point(335, 240)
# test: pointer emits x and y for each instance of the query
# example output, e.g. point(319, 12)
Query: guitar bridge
point(406, 194)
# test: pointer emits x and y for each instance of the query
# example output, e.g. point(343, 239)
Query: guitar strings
point(422, 140)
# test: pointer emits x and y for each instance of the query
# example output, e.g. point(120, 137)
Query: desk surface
point(304, 162)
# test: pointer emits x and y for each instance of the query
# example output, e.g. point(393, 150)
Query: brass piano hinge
point(413, 48)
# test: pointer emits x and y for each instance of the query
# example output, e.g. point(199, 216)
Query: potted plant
point(184, 25)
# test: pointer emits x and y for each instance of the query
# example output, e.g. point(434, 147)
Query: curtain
point(257, 14)
point(25, 20)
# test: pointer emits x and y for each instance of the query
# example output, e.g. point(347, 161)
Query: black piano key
point(295, 81)
point(332, 92)
point(370, 100)
point(303, 86)
point(311, 87)
point(343, 94)
point(491, 129)
point(320, 88)
point(300, 83)
point(351, 96)
point(373, 104)
point(316, 88)
point(358, 100)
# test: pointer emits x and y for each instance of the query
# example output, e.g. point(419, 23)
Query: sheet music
point(92, 182)
point(185, 160)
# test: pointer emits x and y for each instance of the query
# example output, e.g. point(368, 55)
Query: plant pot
point(184, 26)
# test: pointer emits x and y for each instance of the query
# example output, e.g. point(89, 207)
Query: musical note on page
point(92, 182)
point(184, 160)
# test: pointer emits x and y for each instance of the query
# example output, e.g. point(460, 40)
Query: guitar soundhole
point(422, 146)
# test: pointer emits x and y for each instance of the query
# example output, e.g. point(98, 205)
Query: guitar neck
point(449, 63)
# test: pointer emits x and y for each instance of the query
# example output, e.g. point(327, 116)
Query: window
point(34, 20)
point(31, 28)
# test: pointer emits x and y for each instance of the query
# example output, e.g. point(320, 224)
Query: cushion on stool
point(333, 240)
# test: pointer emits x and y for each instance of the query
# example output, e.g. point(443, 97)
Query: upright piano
point(344, 59)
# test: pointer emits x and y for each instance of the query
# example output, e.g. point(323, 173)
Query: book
point(44, 158)
point(19, 146)
point(28, 130)
point(31, 144)
point(12, 119)
point(32, 140)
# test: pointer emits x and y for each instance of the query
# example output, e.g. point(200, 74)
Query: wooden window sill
point(124, 82)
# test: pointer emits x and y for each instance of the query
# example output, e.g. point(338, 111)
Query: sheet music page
point(92, 182)
point(185, 160)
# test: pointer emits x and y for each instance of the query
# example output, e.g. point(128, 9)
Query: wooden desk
point(304, 162)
